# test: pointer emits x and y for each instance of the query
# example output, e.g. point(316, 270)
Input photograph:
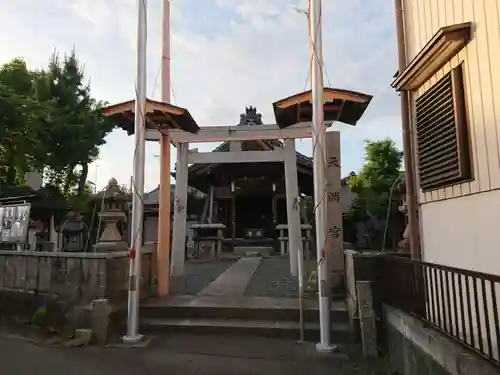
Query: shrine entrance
point(254, 160)
point(255, 219)
point(255, 172)
point(244, 179)
point(245, 200)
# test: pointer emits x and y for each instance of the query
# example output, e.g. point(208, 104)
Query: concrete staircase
point(270, 317)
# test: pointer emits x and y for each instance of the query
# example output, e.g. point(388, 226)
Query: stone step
point(264, 251)
point(265, 328)
point(338, 312)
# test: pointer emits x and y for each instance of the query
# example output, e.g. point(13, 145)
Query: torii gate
point(171, 124)
point(318, 105)
point(293, 117)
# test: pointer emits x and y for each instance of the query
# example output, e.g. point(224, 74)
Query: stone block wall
point(75, 278)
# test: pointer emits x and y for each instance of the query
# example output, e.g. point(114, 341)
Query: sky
point(226, 54)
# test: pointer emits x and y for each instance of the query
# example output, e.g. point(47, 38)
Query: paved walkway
point(272, 277)
point(233, 282)
point(176, 355)
point(199, 274)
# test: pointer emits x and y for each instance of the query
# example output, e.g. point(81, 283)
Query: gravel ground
point(198, 276)
point(272, 279)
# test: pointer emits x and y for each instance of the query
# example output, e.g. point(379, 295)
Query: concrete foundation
point(417, 350)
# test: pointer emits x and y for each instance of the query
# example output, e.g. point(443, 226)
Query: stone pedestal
point(367, 318)
point(111, 239)
point(100, 321)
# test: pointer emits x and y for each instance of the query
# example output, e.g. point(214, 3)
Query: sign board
point(14, 221)
point(335, 242)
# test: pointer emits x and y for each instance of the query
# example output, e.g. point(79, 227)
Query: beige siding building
point(453, 77)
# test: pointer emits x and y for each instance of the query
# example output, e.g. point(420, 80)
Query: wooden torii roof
point(159, 115)
point(339, 105)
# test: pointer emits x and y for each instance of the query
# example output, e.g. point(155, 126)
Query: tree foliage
point(22, 116)
point(50, 122)
point(372, 187)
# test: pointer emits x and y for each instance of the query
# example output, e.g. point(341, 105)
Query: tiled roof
point(153, 196)
point(252, 117)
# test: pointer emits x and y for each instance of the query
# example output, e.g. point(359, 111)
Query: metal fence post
point(300, 275)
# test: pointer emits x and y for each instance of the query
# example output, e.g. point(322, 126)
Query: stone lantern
point(112, 200)
point(73, 233)
point(404, 244)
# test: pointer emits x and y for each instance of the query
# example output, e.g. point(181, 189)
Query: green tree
point(50, 122)
point(77, 130)
point(372, 186)
point(22, 117)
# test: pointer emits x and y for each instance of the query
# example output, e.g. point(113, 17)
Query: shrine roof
point(153, 197)
point(159, 115)
point(339, 105)
point(46, 197)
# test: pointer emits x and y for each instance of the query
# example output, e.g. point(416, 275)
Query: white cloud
point(225, 54)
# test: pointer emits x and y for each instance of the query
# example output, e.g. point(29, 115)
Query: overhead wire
point(308, 75)
point(157, 79)
point(173, 92)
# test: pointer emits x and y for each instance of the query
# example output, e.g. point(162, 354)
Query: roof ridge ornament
point(251, 116)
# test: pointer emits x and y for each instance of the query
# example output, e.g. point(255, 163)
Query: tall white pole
point(165, 56)
point(319, 170)
point(137, 180)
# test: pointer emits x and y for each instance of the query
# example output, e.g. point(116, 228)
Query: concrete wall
point(415, 347)
point(150, 229)
point(458, 221)
point(418, 350)
point(462, 232)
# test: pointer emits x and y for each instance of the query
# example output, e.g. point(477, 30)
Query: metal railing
point(460, 303)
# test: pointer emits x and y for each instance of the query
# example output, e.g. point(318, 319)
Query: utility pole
point(133, 335)
point(319, 170)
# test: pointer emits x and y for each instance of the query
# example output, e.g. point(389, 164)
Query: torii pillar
point(163, 248)
point(338, 106)
point(160, 118)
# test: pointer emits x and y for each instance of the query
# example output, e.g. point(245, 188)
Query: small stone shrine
point(73, 233)
point(112, 201)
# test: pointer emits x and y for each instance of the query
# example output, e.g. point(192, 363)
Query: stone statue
point(403, 245)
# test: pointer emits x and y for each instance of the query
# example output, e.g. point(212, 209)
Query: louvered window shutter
point(442, 133)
